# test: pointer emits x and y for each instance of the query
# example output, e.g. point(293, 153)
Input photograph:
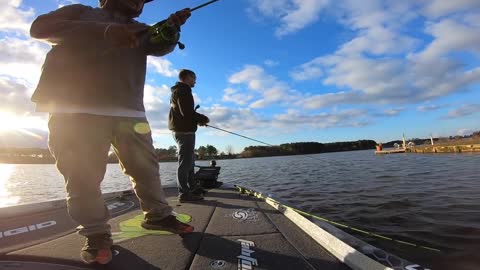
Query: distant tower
point(404, 144)
point(431, 138)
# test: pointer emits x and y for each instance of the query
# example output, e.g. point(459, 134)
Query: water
point(431, 200)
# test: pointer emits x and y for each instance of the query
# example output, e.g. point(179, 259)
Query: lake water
point(431, 200)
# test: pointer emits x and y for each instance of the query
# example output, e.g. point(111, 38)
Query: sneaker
point(199, 191)
point(97, 249)
point(190, 197)
point(169, 224)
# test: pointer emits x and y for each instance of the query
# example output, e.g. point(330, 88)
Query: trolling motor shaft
point(165, 31)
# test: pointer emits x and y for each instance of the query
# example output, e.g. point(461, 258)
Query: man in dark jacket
point(92, 85)
point(183, 121)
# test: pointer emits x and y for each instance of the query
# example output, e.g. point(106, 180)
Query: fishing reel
point(165, 31)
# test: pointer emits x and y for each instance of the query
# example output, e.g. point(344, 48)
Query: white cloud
point(451, 36)
point(464, 110)
point(21, 58)
point(242, 120)
point(379, 78)
point(308, 71)
point(13, 18)
point(346, 118)
point(329, 99)
point(63, 3)
point(162, 66)
point(437, 8)
point(259, 104)
point(292, 15)
point(15, 96)
point(383, 63)
point(270, 63)
point(157, 106)
point(379, 40)
point(429, 107)
point(271, 89)
point(250, 123)
point(156, 97)
point(232, 95)
point(390, 112)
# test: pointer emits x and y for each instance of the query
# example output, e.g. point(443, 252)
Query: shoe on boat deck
point(169, 224)
point(190, 197)
point(199, 191)
point(97, 249)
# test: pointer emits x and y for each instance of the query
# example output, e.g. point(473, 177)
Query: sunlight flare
point(13, 122)
point(6, 199)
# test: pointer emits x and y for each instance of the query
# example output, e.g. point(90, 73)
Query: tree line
point(303, 148)
point(43, 156)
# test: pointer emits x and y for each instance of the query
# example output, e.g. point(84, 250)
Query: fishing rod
point(321, 218)
point(238, 134)
point(165, 30)
point(324, 219)
point(231, 132)
point(202, 5)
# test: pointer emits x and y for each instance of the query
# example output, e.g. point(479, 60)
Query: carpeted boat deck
point(232, 231)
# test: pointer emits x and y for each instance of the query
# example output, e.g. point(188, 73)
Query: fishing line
point(260, 195)
point(238, 135)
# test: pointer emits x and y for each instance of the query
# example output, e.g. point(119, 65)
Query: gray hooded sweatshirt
point(82, 69)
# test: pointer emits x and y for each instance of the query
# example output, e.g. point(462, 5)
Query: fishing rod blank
point(202, 5)
point(293, 151)
point(181, 46)
point(238, 135)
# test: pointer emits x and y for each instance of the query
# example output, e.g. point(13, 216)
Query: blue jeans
point(186, 162)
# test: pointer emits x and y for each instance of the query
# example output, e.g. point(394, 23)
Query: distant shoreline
point(442, 145)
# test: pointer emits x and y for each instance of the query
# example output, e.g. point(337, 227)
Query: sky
point(283, 71)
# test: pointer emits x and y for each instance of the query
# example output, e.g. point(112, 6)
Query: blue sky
point(290, 70)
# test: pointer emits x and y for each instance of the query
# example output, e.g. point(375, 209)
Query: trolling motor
point(166, 31)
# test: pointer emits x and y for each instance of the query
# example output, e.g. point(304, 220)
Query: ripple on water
point(433, 200)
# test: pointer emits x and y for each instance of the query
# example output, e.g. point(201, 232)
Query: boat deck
point(232, 231)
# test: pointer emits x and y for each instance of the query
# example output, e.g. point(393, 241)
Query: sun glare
point(12, 122)
point(6, 198)
point(9, 122)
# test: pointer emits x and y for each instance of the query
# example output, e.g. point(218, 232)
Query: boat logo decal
point(218, 264)
point(119, 207)
point(249, 214)
point(28, 228)
point(246, 261)
point(115, 205)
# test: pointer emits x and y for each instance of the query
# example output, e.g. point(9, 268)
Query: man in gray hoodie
point(183, 121)
point(92, 86)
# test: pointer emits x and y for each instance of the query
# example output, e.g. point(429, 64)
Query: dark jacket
point(82, 68)
point(182, 116)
